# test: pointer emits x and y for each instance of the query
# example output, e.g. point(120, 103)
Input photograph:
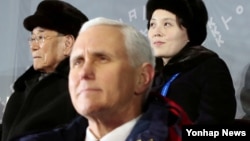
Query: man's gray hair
point(138, 46)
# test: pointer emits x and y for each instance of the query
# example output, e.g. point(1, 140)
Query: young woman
point(193, 76)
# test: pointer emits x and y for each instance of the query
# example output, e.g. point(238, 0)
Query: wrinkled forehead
point(41, 30)
point(102, 38)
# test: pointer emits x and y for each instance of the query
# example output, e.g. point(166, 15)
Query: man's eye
point(32, 39)
point(103, 58)
point(77, 62)
point(40, 37)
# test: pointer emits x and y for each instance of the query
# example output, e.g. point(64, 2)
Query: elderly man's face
point(101, 78)
point(47, 48)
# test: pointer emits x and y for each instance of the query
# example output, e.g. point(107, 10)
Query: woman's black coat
point(204, 87)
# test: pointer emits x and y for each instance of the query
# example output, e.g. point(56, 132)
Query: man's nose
point(87, 70)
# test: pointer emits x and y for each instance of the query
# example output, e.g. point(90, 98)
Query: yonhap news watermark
point(216, 132)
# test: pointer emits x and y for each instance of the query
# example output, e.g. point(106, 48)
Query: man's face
point(47, 49)
point(101, 77)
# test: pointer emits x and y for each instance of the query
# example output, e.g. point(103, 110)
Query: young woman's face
point(166, 36)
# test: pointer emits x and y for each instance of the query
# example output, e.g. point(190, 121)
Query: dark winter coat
point(152, 125)
point(38, 105)
point(204, 87)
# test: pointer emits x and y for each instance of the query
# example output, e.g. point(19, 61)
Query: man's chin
point(37, 68)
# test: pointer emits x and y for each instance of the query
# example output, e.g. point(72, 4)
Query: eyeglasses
point(40, 39)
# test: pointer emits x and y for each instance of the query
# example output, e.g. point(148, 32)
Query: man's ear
point(145, 78)
point(69, 41)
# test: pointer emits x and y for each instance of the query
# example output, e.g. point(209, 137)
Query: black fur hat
point(191, 13)
point(56, 15)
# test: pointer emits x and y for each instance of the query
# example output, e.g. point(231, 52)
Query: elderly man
point(111, 71)
point(41, 99)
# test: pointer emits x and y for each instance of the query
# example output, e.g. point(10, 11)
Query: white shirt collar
point(118, 134)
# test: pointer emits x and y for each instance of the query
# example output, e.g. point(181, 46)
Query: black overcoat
point(204, 86)
point(38, 105)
